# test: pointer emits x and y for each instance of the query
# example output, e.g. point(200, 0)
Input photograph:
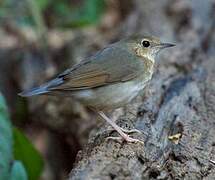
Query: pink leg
point(118, 129)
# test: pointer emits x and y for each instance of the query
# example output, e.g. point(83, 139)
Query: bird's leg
point(124, 130)
point(118, 129)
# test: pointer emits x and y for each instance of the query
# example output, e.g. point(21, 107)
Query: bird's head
point(147, 46)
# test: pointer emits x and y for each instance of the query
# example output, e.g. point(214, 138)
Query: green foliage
point(89, 12)
point(18, 171)
point(27, 154)
point(62, 13)
point(6, 155)
point(42, 4)
point(6, 148)
point(28, 162)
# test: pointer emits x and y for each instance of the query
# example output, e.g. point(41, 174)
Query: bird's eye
point(145, 43)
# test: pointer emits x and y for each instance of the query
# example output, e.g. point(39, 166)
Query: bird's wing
point(107, 66)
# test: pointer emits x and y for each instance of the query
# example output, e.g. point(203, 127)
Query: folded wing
point(106, 67)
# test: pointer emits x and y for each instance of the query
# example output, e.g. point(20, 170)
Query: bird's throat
point(144, 55)
point(149, 66)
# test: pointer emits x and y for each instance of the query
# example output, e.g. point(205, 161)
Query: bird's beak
point(165, 45)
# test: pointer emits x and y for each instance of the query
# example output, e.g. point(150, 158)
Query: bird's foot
point(131, 131)
point(126, 138)
point(120, 130)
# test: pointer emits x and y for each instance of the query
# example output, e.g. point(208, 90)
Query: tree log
point(176, 112)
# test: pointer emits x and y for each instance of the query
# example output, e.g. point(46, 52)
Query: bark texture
point(180, 100)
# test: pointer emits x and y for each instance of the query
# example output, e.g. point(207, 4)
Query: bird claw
point(114, 138)
point(133, 140)
point(120, 130)
point(126, 138)
point(131, 131)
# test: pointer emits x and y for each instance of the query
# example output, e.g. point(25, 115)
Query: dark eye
point(145, 43)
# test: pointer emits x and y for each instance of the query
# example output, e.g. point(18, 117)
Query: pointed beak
point(165, 45)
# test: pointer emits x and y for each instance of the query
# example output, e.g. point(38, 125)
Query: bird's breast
point(111, 96)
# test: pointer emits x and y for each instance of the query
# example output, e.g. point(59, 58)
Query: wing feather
point(107, 66)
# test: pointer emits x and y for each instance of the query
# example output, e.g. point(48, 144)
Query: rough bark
point(179, 99)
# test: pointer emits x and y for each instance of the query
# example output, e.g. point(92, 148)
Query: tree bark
point(176, 112)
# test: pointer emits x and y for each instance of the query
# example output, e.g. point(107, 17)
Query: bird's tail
point(43, 89)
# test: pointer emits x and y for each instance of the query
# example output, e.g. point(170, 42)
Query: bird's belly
point(110, 96)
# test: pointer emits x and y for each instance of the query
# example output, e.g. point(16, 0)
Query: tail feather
point(43, 89)
point(33, 92)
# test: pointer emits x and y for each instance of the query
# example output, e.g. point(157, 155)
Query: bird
point(110, 79)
